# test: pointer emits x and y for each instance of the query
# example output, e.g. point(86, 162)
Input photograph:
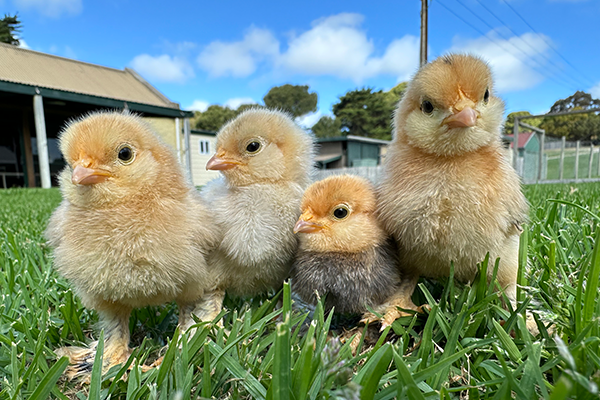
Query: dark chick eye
point(427, 107)
point(253, 147)
point(486, 96)
point(125, 154)
point(340, 212)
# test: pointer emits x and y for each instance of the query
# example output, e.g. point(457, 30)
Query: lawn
point(466, 346)
point(569, 164)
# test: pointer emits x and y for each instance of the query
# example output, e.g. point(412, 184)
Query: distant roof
point(523, 139)
point(353, 138)
point(203, 132)
point(41, 70)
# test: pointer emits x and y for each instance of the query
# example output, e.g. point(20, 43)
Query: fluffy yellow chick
point(344, 253)
point(130, 231)
point(449, 194)
point(265, 159)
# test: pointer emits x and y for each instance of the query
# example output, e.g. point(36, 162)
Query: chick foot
point(81, 360)
point(398, 305)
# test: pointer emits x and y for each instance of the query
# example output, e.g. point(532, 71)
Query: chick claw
point(81, 360)
point(390, 313)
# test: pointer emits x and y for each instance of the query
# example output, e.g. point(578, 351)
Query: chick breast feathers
point(449, 194)
point(265, 159)
point(139, 235)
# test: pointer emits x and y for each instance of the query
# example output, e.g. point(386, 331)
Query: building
point(202, 147)
point(40, 92)
point(529, 153)
point(350, 151)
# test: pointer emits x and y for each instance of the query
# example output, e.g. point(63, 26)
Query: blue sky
point(199, 53)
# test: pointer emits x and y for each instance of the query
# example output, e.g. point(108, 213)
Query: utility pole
point(423, 33)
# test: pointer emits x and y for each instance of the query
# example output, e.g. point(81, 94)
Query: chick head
point(338, 214)
point(449, 107)
point(113, 157)
point(262, 146)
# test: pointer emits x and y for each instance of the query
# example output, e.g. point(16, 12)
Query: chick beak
point(304, 226)
point(466, 118)
point(88, 176)
point(219, 163)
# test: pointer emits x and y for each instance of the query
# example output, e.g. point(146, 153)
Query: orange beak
point(218, 163)
point(466, 118)
point(88, 176)
point(304, 226)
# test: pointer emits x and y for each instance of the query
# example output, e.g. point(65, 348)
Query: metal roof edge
point(22, 88)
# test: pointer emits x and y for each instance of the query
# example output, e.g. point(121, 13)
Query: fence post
point(516, 144)
point(590, 160)
point(577, 159)
point(541, 158)
point(562, 158)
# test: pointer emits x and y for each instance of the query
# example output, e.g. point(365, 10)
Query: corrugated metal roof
point(18, 65)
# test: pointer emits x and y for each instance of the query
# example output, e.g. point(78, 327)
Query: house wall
point(200, 176)
point(165, 127)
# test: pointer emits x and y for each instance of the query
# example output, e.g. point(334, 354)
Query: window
point(204, 146)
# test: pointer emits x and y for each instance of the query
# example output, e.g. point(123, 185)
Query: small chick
point(130, 231)
point(265, 159)
point(344, 253)
point(449, 194)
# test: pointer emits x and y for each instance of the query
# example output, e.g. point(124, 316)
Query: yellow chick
point(266, 160)
point(449, 193)
point(130, 231)
point(344, 253)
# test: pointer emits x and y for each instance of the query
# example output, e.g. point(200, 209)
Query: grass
point(569, 164)
point(467, 346)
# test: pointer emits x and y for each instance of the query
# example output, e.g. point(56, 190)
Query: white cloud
point(238, 101)
point(163, 68)
point(511, 73)
point(337, 46)
point(51, 8)
point(239, 59)
point(198, 105)
point(595, 91)
point(308, 120)
point(23, 44)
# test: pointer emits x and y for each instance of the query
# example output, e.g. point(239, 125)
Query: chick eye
point(253, 147)
point(486, 96)
point(341, 212)
point(126, 154)
point(426, 107)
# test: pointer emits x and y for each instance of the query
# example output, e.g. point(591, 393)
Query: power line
point(560, 69)
point(548, 43)
point(565, 84)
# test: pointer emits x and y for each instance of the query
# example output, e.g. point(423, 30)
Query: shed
point(40, 92)
point(529, 150)
point(350, 151)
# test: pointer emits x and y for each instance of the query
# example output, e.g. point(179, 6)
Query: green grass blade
point(50, 378)
point(370, 374)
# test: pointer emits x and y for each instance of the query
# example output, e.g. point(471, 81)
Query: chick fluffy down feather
point(451, 195)
point(350, 282)
point(256, 204)
point(134, 242)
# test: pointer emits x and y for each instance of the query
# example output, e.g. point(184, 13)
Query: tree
point(363, 112)
point(294, 99)
point(509, 124)
point(580, 100)
point(214, 118)
point(394, 95)
point(9, 27)
point(576, 126)
point(327, 127)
